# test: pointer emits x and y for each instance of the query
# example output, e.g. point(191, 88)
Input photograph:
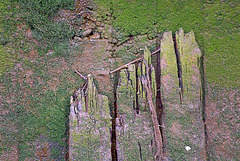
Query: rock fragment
point(87, 32)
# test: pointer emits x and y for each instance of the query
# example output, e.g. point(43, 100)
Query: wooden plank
point(132, 62)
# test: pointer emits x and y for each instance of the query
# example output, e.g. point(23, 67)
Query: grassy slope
point(221, 38)
point(5, 31)
point(35, 93)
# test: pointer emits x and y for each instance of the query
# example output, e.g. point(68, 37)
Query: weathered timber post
point(158, 137)
point(135, 130)
point(190, 62)
point(89, 134)
point(183, 116)
point(135, 137)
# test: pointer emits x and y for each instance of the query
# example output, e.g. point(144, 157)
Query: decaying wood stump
point(90, 125)
point(137, 132)
point(183, 108)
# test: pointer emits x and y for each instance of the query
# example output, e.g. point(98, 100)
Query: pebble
point(187, 148)
point(87, 32)
point(95, 36)
point(78, 38)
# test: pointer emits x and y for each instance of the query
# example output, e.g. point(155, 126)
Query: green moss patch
point(6, 59)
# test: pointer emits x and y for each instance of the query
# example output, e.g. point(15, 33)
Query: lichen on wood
point(135, 139)
point(184, 124)
point(157, 134)
point(189, 58)
point(89, 129)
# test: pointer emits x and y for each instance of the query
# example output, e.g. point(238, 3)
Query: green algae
point(90, 129)
point(184, 126)
point(147, 58)
point(6, 52)
point(153, 84)
point(189, 57)
point(134, 131)
point(168, 57)
point(7, 59)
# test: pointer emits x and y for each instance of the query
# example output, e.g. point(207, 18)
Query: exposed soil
point(11, 154)
point(222, 120)
point(176, 129)
point(23, 83)
point(94, 59)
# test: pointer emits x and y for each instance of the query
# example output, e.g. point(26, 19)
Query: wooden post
point(158, 138)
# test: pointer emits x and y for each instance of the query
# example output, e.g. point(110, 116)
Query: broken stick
point(158, 137)
point(134, 61)
point(82, 76)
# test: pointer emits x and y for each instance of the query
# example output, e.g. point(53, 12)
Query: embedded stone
point(87, 32)
point(95, 35)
